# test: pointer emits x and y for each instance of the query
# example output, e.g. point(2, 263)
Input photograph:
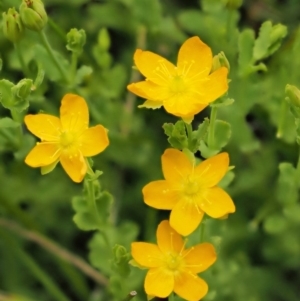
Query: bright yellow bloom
point(67, 139)
point(189, 190)
point(184, 90)
point(171, 266)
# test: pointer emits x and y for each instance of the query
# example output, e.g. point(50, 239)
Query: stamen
point(189, 251)
point(182, 248)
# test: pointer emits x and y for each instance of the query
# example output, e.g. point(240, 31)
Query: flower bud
point(22, 89)
point(12, 25)
point(76, 40)
point(33, 14)
point(219, 61)
point(234, 4)
point(293, 94)
point(278, 32)
point(104, 39)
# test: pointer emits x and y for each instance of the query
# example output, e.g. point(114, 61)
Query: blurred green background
point(258, 246)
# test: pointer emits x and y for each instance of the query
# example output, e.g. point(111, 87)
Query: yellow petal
point(154, 67)
point(216, 86)
point(44, 126)
point(194, 58)
point(74, 166)
point(93, 141)
point(200, 257)
point(159, 282)
point(160, 195)
point(146, 254)
point(217, 202)
point(150, 104)
point(168, 239)
point(190, 287)
point(74, 113)
point(149, 90)
point(184, 105)
point(175, 165)
point(43, 154)
point(185, 217)
point(209, 172)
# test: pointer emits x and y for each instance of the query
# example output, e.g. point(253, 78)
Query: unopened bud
point(76, 40)
point(234, 4)
point(12, 25)
point(104, 39)
point(22, 89)
point(219, 61)
point(33, 14)
point(293, 94)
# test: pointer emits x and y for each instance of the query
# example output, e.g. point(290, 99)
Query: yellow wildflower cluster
point(189, 190)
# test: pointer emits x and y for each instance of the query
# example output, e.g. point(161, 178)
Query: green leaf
point(222, 134)
point(42, 58)
point(7, 122)
point(263, 42)
point(199, 135)
point(287, 188)
point(292, 213)
point(205, 151)
point(120, 260)
point(245, 45)
point(6, 95)
point(176, 133)
point(275, 224)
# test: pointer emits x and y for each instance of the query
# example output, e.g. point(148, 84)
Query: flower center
point(173, 262)
point(67, 139)
point(191, 187)
point(178, 85)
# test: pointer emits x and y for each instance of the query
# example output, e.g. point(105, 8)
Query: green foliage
point(257, 123)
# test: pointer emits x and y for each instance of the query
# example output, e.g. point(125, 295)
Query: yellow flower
point(67, 139)
point(184, 90)
point(189, 190)
point(171, 266)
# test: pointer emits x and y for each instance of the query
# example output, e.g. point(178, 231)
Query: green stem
point(189, 131)
point(93, 207)
point(298, 168)
point(57, 29)
point(21, 59)
point(53, 57)
point(171, 297)
point(211, 131)
point(74, 61)
point(34, 268)
point(283, 111)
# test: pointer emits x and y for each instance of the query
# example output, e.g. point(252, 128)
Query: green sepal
point(120, 260)
point(227, 179)
point(47, 169)
point(287, 187)
point(222, 102)
point(82, 74)
point(176, 134)
point(133, 263)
